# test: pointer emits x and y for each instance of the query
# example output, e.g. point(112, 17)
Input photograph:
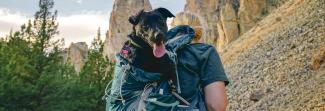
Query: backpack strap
point(181, 98)
point(201, 102)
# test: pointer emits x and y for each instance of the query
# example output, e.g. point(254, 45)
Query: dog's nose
point(159, 36)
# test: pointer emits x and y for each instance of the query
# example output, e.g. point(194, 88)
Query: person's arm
point(213, 81)
point(215, 96)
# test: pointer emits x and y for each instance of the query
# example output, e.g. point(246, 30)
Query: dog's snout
point(159, 36)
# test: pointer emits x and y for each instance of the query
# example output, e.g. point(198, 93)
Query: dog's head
point(151, 27)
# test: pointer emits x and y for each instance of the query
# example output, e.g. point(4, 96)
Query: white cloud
point(79, 1)
point(82, 27)
point(73, 28)
point(10, 20)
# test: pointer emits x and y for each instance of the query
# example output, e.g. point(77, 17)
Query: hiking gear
point(135, 89)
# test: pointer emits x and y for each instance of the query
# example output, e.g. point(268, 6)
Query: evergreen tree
point(32, 73)
point(34, 77)
point(95, 75)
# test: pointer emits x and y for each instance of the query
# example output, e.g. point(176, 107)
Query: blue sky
point(74, 16)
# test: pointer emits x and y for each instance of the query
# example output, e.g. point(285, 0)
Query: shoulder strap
point(201, 102)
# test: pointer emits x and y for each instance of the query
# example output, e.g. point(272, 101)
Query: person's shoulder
point(200, 50)
point(200, 47)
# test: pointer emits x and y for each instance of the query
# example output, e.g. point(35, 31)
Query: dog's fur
point(149, 28)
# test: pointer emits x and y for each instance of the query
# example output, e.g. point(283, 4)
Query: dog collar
point(133, 43)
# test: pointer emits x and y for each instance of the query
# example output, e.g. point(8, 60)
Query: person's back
point(198, 66)
point(200, 72)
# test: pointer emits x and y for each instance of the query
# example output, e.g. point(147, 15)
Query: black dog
point(145, 48)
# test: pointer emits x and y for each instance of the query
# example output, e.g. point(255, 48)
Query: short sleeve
point(212, 69)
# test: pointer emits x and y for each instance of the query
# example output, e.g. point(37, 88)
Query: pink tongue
point(159, 50)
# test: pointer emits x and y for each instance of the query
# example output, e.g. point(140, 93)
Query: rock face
point(218, 19)
point(224, 21)
point(276, 65)
point(205, 11)
point(119, 26)
point(186, 18)
point(273, 4)
point(217, 32)
point(76, 54)
point(250, 12)
point(228, 26)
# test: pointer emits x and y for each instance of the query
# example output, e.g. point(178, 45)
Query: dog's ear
point(134, 19)
point(164, 12)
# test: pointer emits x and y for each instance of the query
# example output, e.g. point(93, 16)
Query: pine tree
point(32, 73)
point(34, 77)
point(95, 75)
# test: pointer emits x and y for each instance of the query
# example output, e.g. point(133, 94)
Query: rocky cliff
point(227, 25)
point(224, 21)
point(250, 12)
point(119, 27)
point(202, 13)
point(76, 54)
point(279, 63)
